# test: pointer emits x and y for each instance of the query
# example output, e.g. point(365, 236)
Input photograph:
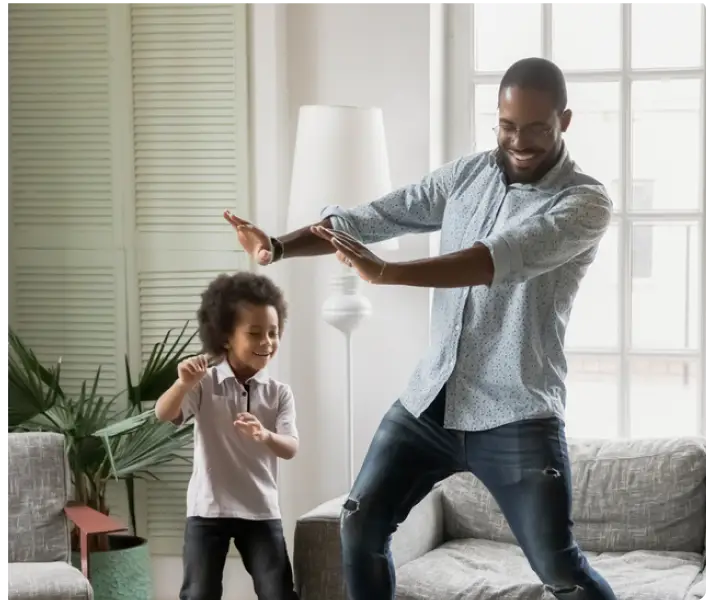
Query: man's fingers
point(345, 248)
point(322, 232)
point(233, 220)
point(347, 237)
point(344, 259)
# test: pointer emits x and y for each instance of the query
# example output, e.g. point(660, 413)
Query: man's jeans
point(525, 467)
point(261, 546)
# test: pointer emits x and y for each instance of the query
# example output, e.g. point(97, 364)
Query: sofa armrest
point(317, 565)
point(90, 521)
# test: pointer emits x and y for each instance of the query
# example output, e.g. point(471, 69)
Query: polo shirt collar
point(223, 372)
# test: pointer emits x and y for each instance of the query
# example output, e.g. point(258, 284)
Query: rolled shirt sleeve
point(286, 423)
point(416, 208)
point(544, 242)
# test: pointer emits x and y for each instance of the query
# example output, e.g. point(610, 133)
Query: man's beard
point(518, 176)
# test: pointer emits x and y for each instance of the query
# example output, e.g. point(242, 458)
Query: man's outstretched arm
point(416, 208)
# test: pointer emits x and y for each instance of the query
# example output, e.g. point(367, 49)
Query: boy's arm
point(178, 403)
point(284, 440)
point(283, 446)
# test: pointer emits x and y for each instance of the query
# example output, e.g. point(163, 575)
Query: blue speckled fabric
point(499, 349)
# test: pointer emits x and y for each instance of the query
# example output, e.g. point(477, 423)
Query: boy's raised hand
point(253, 240)
point(192, 370)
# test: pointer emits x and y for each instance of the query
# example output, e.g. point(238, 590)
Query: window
point(635, 342)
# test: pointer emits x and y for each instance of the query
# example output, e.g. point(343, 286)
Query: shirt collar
point(552, 179)
point(223, 372)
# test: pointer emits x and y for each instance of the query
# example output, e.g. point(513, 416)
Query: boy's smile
point(255, 339)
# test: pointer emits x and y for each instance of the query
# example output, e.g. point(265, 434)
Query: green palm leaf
point(160, 372)
point(32, 389)
point(133, 449)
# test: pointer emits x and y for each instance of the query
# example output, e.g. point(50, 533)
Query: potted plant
point(105, 441)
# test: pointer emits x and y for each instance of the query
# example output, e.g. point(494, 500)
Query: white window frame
point(453, 81)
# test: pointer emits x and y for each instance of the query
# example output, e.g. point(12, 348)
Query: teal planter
point(122, 573)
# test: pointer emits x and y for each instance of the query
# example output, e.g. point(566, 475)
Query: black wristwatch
point(277, 249)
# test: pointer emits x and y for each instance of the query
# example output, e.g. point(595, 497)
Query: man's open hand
point(351, 252)
point(253, 240)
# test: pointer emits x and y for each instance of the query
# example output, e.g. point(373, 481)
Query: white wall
point(334, 54)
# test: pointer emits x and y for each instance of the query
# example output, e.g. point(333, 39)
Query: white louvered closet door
point(128, 138)
point(67, 275)
point(189, 85)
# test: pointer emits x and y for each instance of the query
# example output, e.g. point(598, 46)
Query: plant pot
point(122, 573)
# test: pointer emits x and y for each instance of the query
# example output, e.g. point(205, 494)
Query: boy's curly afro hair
point(218, 314)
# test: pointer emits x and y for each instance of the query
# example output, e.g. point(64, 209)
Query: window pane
point(505, 33)
point(665, 265)
point(593, 138)
point(598, 295)
point(592, 391)
point(666, 35)
point(663, 397)
point(486, 116)
point(665, 143)
point(575, 43)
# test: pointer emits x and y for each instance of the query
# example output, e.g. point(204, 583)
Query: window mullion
point(702, 242)
point(546, 30)
point(625, 267)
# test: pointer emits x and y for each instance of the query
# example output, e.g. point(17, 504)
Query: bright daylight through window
point(635, 77)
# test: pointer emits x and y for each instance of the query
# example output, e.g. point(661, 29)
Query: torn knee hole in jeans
point(350, 506)
point(551, 472)
point(564, 592)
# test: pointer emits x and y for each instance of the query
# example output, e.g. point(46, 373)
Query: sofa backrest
point(38, 490)
point(627, 495)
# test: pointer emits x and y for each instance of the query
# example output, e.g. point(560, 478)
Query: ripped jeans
point(525, 467)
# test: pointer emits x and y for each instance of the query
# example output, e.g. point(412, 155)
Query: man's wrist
point(392, 274)
point(277, 249)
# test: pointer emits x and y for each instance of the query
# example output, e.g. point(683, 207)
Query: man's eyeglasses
point(536, 131)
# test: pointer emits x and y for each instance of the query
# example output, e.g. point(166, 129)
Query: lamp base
point(344, 310)
point(346, 307)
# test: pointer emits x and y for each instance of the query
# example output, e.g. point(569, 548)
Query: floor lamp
point(340, 157)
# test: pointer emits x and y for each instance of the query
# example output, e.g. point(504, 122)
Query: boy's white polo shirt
point(235, 476)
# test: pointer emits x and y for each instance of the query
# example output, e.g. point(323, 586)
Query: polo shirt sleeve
point(549, 240)
point(286, 414)
point(415, 208)
point(191, 404)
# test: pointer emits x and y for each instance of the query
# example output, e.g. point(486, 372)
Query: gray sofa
point(639, 512)
point(38, 530)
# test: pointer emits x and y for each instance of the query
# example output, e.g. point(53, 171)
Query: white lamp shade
point(340, 157)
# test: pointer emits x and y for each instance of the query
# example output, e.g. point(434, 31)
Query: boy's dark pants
point(261, 546)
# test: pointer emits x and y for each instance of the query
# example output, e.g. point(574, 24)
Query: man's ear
point(565, 120)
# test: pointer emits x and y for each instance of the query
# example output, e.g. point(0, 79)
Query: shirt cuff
point(507, 259)
point(339, 219)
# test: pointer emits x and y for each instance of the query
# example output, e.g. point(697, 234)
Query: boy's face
point(256, 336)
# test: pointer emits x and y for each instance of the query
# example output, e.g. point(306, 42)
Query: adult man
point(519, 227)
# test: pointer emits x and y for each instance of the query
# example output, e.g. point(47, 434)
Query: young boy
point(244, 422)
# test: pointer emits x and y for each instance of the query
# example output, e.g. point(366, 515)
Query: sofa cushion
point(47, 581)
point(38, 490)
point(482, 569)
point(627, 495)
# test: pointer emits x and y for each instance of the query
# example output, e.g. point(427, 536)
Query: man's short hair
point(537, 74)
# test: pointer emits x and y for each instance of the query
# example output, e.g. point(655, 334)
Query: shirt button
point(245, 394)
point(457, 328)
